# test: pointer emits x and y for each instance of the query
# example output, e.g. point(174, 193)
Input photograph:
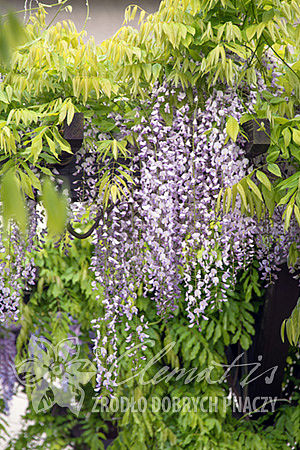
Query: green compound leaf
point(55, 205)
point(292, 326)
point(273, 168)
point(254, 188)
point(13, 203)
point(232, 128)
point(262, 177)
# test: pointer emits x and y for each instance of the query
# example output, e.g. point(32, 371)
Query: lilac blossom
point(7, 374)
point(167, 235)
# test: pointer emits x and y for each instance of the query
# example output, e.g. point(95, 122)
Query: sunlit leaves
point(287, 215)
point(61, 52)
point(55, 205)
point(232, 128)
point(296, 136)
point(297, 214)
point(256, 198)
point(56, 71)
point(112, 190)
point(254, 188)
point(227, 199)
point(106, 87)
point(269, 199)
point(34, 180)
point(130, 13)
point(274, 168)
point(12, 34)
point(242, 193)
point(286, 197)
point(66, 112)
point(8, 138)
point(262, 177)
point(111, 148)
point(13, 204)
point(287, 136)
point(116, 180)
point(37, 145)
point(292, 326)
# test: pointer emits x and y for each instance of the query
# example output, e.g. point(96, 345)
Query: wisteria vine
point(166, 238)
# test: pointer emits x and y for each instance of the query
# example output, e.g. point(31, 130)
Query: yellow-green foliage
point(201, 43)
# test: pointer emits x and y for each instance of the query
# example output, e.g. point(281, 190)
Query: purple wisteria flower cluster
point(189, 243)
point(17, 276)
point(18, 271)
point(167, 236)
point(7, 374)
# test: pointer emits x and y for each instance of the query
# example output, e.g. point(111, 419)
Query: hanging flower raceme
point(7, 374)
point(167, 236)
point(17, 277)
point(17, 267)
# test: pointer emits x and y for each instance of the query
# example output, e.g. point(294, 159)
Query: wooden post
point(258, 140)
point(281, 298)
point(72, 133)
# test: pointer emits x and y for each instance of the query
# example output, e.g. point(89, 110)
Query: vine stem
point(281, 59)
point(57, 13)
point(95, 224)
point(34, 9)
point(87, 14)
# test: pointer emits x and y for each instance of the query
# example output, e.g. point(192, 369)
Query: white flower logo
point(54, 374)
